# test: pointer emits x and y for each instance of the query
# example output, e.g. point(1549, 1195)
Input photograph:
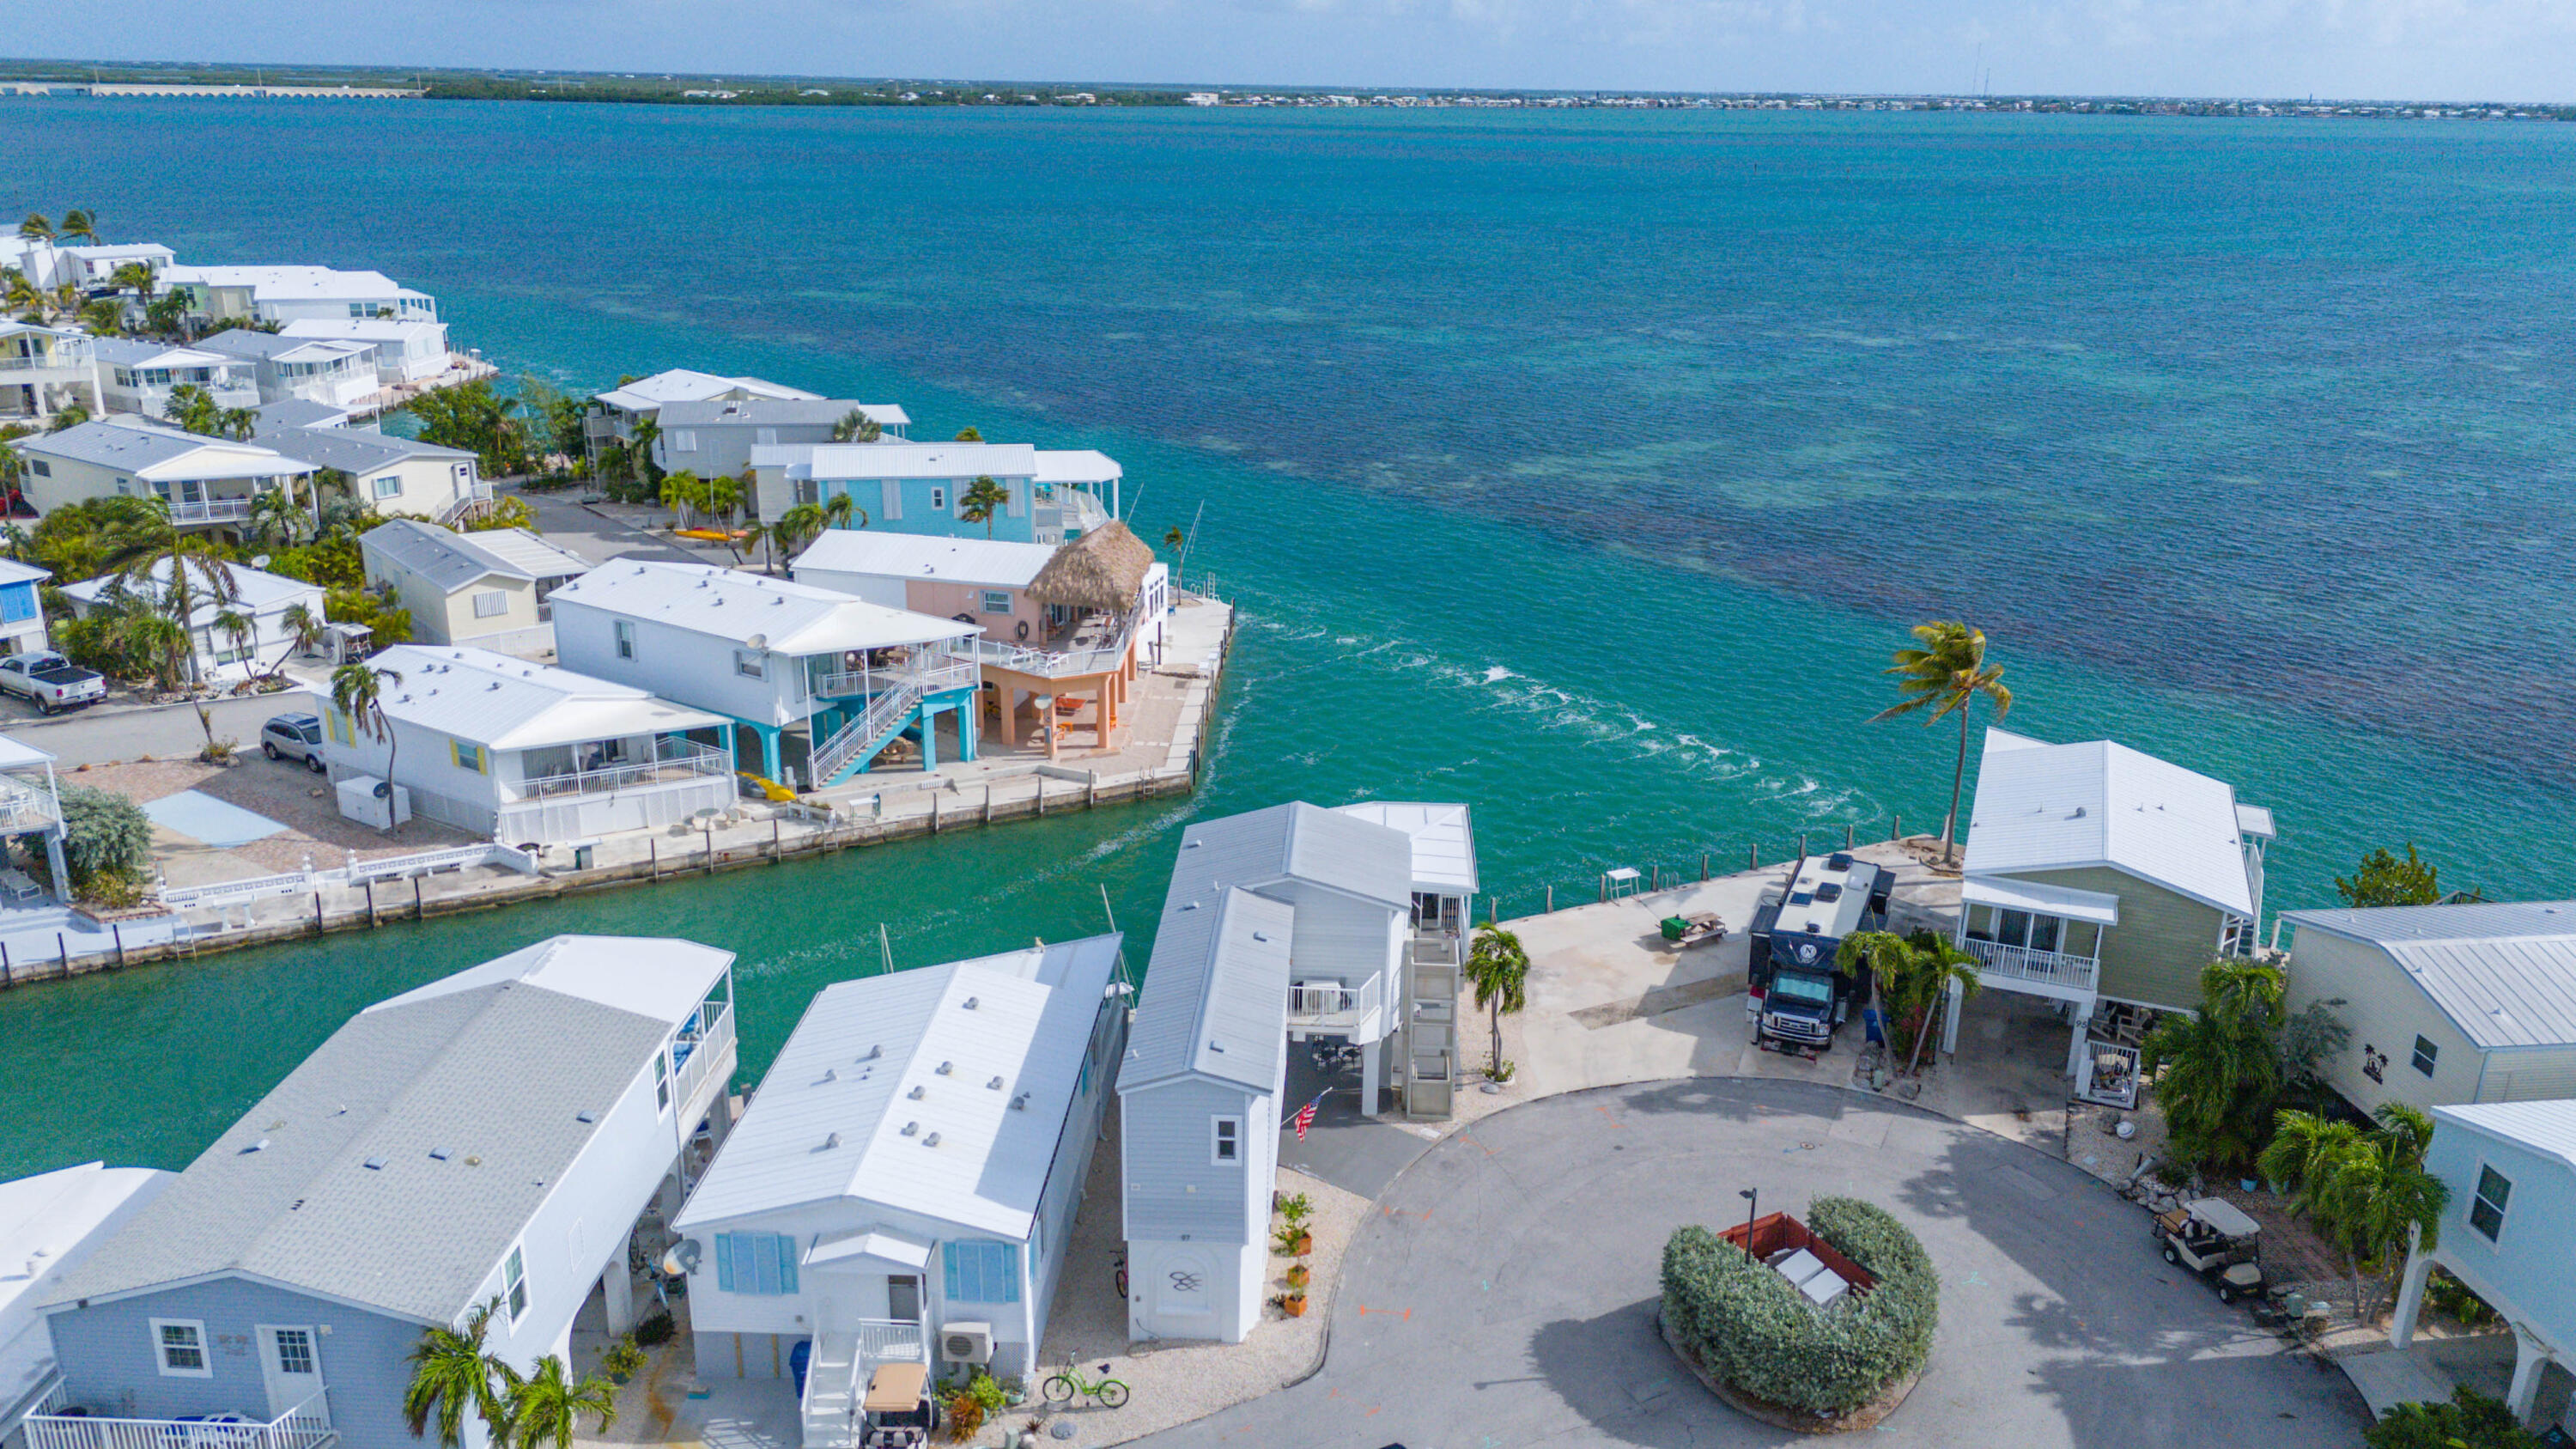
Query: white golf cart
point(2215, 1239)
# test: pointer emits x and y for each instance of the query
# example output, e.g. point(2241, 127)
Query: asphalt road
point(92, 736)
point(1503, 1292)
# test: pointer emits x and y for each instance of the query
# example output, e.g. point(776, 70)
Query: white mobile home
point(139, 377)
point(904, 1183)
point(389, 474)
point(402, 351)
point(519, 752)
point(2447, 1004)
point(616, 414)
point(44, 370)
point(489, 588)
point(332, 373)
point(208, 482)
point(292, 294)
point(262, 602)
point(49, 1225)
point(904, 487)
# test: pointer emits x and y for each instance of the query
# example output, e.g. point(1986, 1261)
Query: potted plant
point(623, 1360)
point(1298, 1275)
point(1292, 1241)
point(1292, 1304)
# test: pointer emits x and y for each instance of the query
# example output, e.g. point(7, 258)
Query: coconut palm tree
point(358, 691)
point(67, 417)
point(546, 1407)
point(304, 629)
point(982, 499)
point(1498, 967)
point(79, 226)
point(453, 1374)
point(685, 495)
point(721, 496)
point(135, 277)
point(194, 409)
point(237, 424)
point(275, 518)
point(36, 228)
point(1913, 978)
point(104, 317)
point(840, 508)
point(2364, 1189)
point(796, 527)
point(17, 291)
point(2217, 1071)
point(239, 633)
point(1945, 676)
point(856, 426)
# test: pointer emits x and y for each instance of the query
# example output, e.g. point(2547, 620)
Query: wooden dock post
point(1847, 835)
point(1802, 845)
point(1091, 801)
point(62, 954)
point(8, 973)
point(415, 898)
point(1896, 827)
point(934, 812)
point(711, 847)
point(1753, 855)
point(117, 930)
point(371, 900)
point(656, 843)
point(1703, 865)
point(317, 910)
point(1551, 900)
point(1605, 885)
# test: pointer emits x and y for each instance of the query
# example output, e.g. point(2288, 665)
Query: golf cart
point(898, 1412)
point(2215, 1239)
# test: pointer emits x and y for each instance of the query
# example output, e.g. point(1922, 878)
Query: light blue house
point(2510, 1230)
point(489, 1138)
point(904, 487)
point(22, 618)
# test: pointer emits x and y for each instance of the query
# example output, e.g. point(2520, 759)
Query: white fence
point(223, 895)
point(306, 1426)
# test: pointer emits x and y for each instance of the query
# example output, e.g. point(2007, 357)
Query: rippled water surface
point(1582, 466)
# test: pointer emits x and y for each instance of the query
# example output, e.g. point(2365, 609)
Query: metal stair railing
point(883, 714)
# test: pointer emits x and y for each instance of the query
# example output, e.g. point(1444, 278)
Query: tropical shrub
point(2470, 1421)
point(988, 1392)
point(2218, 1071)
point(965, 1415)
point(104, 833)
point(1747, 1327)
point(2383, 880)
point(656, 1329)
point(390, 622)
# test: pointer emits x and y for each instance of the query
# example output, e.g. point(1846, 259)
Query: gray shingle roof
point(352, 450)
point(491, 1075)
point(1216, 993)
point(450, 560)
point(2504, 971)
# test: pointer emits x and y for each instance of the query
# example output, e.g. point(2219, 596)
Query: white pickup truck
point(50, 681)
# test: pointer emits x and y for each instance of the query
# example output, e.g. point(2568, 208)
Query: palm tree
point(1913, 979)
point(179, 574)
point(721, 497)
point(358, 691)
point(17, 291)
point(1173, 538)
point(237, 424)
point(275, 518)
point(304, 629)
point(856, 426)
point(2217, 1071)
point(194, 410)
point(546, 1406)
point(1498, 967)
point(796, 527)
point(240, 633)
point(452, 1375)
point(80, 226)
point(36, 228)
point(982, 499)
point(67, 417)
point(969, 435)
point(2364, 1189)
point(104, 317)
point(840, 508)
point(135, 277)
point(1945, 676)
point(684, 493)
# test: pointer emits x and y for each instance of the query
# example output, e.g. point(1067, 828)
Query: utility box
point(370, 801)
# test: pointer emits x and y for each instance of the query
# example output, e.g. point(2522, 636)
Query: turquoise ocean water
point(1582, 466)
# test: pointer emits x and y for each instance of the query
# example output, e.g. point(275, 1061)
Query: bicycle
point(1061, 1388)
point(1119, 1265)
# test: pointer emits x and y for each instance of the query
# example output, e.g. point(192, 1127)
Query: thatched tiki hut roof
point(1104, 569)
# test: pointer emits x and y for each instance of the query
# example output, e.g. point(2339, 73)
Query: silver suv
point(293, 737)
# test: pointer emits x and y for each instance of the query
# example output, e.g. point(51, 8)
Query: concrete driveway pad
point(1502, 1292)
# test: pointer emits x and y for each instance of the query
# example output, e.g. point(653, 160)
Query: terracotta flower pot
point(1295, 1305)
point(1305, 1245)
point(1297, 1276)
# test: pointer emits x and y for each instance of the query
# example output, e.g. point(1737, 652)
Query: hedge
point(1747, 1327)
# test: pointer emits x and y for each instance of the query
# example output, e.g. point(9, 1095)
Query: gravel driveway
point(1502, 1292)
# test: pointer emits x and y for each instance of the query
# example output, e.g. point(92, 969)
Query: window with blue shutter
point(17, 603)
point(763, 1264)
point(982, 1272)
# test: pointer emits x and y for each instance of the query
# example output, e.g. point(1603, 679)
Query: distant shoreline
point(62, 78)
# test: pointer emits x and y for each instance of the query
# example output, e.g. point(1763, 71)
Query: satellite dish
point(259, 561)
point(682, 1260)
point(756, 641)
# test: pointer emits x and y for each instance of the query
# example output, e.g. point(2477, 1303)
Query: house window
point(294, 1350)
point(45, 469)
point(342, 727)
point(625, 640)
point(179, 1346)
point(938, 499)
point(982, 1272)
point(761, 1264)
point(491, 604)
point(2425, 1052)
point(683, 441)
point(468, 757)
point(749, 664)
point(514, 1282)
point(388, 485)
point(997, 601)
point(2486, 1211)
point(661, 1081)
point(18, 604)
point(1227, 1148)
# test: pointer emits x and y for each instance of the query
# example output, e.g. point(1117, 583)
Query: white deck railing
point(2006, 965)
point(23, 807)
point(674, 762)
point(212, 510)
point(306, 1426)
point(713, 1047)
point(930, 674)
point(893, 1340)
point(1330, 1006)
point(223, 895)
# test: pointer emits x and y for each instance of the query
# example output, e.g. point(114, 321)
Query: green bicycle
point(1061, 1388)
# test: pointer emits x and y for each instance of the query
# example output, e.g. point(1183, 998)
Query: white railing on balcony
point(893, 1340)
point(212, 510)
point(2006, 965)
point(1435, 948)
point(1058, 663)
point(675, 761)
point(1331, 1006)
point(25, 806)
point(929, 673)
point(15, 363)
point(306, 1426)
point(711, 1051)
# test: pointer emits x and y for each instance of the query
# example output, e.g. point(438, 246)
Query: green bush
point(2470, 1421)
point(1751, 1330)
point(656, 1330)
point(104, 834)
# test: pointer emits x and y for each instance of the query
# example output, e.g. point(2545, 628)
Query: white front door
point(290, 1363)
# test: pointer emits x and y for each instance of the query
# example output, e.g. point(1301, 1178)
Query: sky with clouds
point(2522, 50)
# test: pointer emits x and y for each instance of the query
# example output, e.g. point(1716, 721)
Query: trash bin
point(1675, 928)
point(1869, 1026)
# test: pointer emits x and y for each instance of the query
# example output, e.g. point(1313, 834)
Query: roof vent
point(911, 1129)
point(831, 1074)
point(1020, 1103)
point(585, 1115)
point(994, 1085)
point(874, 1052)
point(1261, 935)
point(438, 1154)
point(1189, 845)
point(1190, 905)
point(260, 1146)
point(375, 1164)
point(495, 684)
point(930, 1141)
point(916, 1093)
point(2078, 815)
point(834, 1140)
point(970, 1003)
point(945, 1068)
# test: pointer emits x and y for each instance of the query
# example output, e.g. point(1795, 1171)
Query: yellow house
point(488, 589)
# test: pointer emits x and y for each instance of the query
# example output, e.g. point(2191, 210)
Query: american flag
point(1306, 1116)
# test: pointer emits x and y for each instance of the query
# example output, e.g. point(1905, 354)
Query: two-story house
point(207, 482)
point(519, 752)
point(1083, 617)
point(825, 682)
point(387, 473)
point(489, 1138)
point(404, 351)
point(294, 294)
point(715, 437)
point(44, 370)
point(1198, 1112)
point(490, 588)
point(2446, 1004)
point(921, 487)
point(2098, 874)
point(325, 370)
point(2508, 1232)
point(139, 377)
point(261, 601)
point(904, 1183)
point(618, 414)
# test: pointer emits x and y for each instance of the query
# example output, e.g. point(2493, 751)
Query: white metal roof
point(1216, 992)
point(752, 412)
point(786, 617)
point(278, 347)
point(17, 754)
point(657, 976)
point(510, 704)
point(119, 352)
point(682, 385)
point(49, 1223)
point(2065, 807)
point(835, 1118)
point(14, 572)
point(2045, 899)
point(285, 283)
point(2547, 1127)
point(364, 329)
point(2503, 971)
point(451, 560)
point(1444, 841)
point(901, 460)
point(256, 592)
point(1076, 465)
point(993, 563)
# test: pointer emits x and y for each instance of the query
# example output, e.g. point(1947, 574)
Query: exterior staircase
point(853, 745)
point(1431, 1029)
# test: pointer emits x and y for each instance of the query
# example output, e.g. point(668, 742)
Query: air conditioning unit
point(966, 1343)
